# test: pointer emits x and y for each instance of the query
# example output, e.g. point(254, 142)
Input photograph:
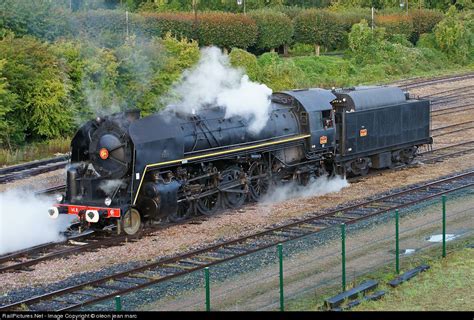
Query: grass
point(329, 71)
point(34, 151)
point(446, 286)
point(307, 71)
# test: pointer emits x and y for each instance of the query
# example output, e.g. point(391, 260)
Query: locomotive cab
point(316, 118)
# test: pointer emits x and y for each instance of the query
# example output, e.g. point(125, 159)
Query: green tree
point(41, 18)
point(365, 43)
point(452, 36)
point(8, 101)
point(38, 80)
point(274, 29)
point(318, 27)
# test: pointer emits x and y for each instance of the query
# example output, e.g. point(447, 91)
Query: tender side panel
point(386, 128)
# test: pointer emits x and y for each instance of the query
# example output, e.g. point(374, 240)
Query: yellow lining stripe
point(215, 154)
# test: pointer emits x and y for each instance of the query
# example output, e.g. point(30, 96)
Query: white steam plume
point(316, 187)
point(215, 82)
point(109, 186)
point(24, 221)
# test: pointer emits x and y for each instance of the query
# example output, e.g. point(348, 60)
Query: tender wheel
point(184, 212)
point(235, 191)
point(407, 155)
point(360, 167)
point(208, 205)
point(131, 221)
point(259, 182)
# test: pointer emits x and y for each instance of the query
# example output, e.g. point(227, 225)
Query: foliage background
point(62, 62)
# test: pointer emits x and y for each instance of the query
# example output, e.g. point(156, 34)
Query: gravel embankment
point(236, 223)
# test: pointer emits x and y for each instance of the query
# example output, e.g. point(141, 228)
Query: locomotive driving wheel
point(259, 180)
point(208, 205)
point(185, 209)
point(234, 196)
point(131, 221)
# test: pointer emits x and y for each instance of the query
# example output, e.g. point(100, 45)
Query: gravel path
point(236, 223)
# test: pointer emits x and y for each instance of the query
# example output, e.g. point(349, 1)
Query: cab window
point(327, 119)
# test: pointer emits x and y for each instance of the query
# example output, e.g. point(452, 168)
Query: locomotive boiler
point(170, 165)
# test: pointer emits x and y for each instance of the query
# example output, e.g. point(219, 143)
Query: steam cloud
point(24, 221)
point(109, 186)
point(214, 82)
point(316, 187)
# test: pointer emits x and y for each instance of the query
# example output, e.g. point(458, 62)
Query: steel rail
point(133, 279)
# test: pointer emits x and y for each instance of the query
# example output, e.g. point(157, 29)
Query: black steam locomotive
point(170, 165)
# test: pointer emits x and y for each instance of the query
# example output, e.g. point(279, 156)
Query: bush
point(180, 25)
point(400, 39)
point(319, 27)
point(279, 74)
point(347, 18)
point(7, 101)
point(453, 37)
point(41, 18)
point(395, 24)
point(301, 49)
point(274, 29)
point(326, 71)
point(93, 73)
point(108, 27)
point(243, 59)
point(38, 80)
point(365, 43)
point(179, 55)
point(424, 21)
point(427, 40)
point(290, 11)
point(226, 30)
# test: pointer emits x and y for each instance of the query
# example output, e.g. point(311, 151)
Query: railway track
point(453, 128)
point(29, 169)
point(450, 110)
point(33, 168)
point(91, 292)
point(442, 153)
point(416, 83)
point(24, 259)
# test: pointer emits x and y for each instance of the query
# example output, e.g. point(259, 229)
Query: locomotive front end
point(99, 175)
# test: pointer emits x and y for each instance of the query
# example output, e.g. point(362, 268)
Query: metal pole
point(372, 18)
point(397, 243)
point(444, 225)
point(343, 252)
point(208, 289)
point(118, 303)
point(280, 257)
point(126, 18)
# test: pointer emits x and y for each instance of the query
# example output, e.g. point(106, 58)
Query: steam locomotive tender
point(129, 170)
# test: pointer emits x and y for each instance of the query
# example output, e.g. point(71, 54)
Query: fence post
point(280, 258)
point(444, 224)
point(397, 242)
point(343, 252)
point(208, 289)
point(118, 303)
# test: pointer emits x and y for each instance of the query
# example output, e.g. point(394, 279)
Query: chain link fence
point(301, 273)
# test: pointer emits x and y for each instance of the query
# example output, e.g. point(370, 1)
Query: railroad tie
point(178, 266)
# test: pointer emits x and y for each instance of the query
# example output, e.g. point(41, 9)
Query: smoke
point(109, 186)
point(316, 187)
point(214, 82)
point(24, 221)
